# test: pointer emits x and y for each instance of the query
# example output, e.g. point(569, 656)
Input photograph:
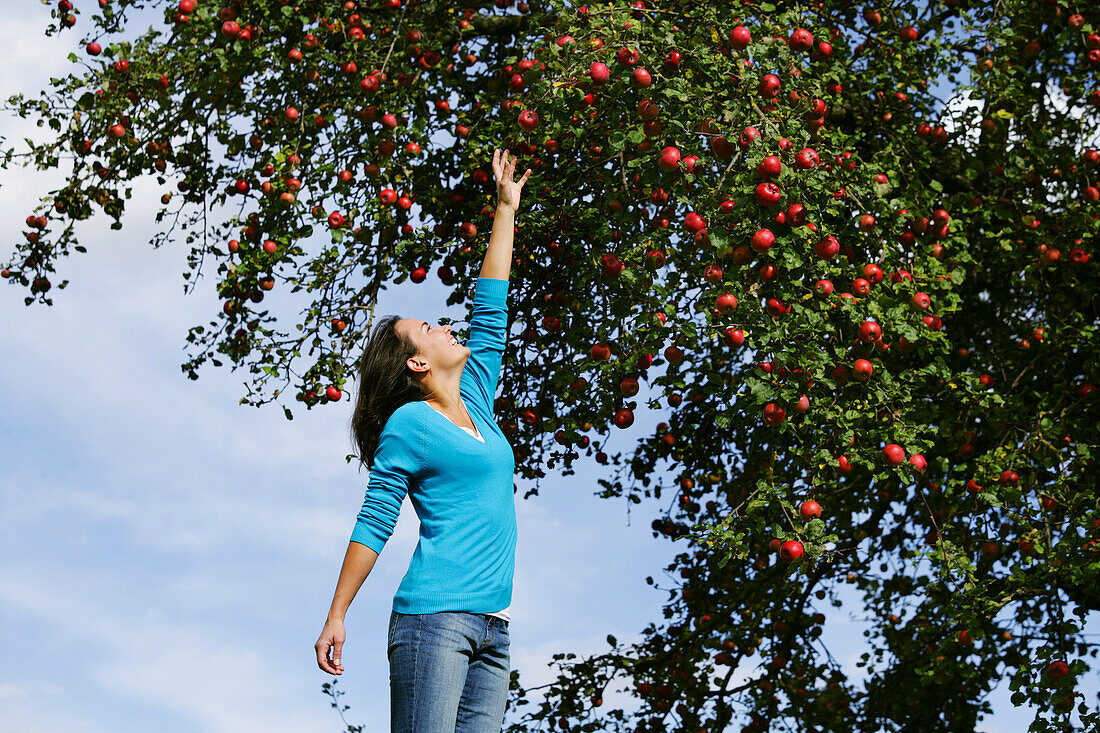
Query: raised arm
point(498, 257)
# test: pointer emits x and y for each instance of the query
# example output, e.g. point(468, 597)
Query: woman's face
point(434, 344)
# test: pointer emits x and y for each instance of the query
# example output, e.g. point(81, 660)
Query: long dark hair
point(385, 383)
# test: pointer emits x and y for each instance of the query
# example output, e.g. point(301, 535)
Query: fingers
point(504, 167)
point(521, 181)
point(336, 656)
point(321, 648)
point(332, 667)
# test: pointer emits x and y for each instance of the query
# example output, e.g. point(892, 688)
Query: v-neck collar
point(452, 422)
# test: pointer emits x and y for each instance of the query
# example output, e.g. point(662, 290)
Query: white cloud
point(10, 690)
point(210, 679)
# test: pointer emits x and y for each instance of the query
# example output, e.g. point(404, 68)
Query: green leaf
point(815, 528)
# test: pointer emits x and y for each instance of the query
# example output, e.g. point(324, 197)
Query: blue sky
point(167, 557)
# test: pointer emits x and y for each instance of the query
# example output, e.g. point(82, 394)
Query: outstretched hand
point(507, 189)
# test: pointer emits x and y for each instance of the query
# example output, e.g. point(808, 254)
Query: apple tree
point(848, 248)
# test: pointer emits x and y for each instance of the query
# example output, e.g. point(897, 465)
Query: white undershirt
point(473, 432)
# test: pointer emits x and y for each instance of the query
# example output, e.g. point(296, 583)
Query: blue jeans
point(449, 672)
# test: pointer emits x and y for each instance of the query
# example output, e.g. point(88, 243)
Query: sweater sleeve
point(488, 329)
point(396, 464)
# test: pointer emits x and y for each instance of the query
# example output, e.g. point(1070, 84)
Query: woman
point(423, 424)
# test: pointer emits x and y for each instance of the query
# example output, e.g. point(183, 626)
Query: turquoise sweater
point(461, 488)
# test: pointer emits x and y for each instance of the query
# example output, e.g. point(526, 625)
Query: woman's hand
point(331, 636)
point(507, 189)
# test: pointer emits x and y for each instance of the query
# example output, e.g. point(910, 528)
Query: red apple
point(528, 119)
point(869, 331)
point(827, 248)
point(669, 159)
point(740, 37)
point(748, 135)
point(648, 109)
point(768, 194)
point(769, 167)
point(768, 88)
point(733, 336)
point(626, 56)
point(796, 215)
point(801, 40)
point(725, 303)
point(823, 51)
point(791, 550)
point(862, 369)
point(893, 454)
point(762, 241)
point(810, 509)
point(806, 158)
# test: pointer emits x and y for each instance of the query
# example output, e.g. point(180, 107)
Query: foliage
point(949, 444)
